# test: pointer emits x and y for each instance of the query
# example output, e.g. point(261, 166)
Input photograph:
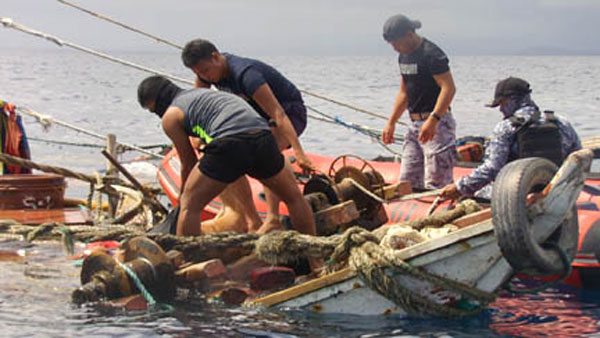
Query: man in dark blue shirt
point(426, 90)
point(272, 95)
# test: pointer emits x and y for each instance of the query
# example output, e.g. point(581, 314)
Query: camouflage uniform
point(502, 146)
point(429, 163)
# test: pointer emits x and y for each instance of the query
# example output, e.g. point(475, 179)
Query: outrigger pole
point(172, 44)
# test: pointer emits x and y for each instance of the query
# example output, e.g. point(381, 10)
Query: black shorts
point(254, 153)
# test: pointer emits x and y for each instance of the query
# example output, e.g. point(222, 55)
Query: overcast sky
point(315, 27)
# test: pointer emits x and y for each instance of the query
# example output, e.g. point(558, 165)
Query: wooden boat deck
point(38, 216)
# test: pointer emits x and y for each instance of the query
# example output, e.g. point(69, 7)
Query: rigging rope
point(65, 143)
point(9, 23)
point(46, 120)
point(172, 44)
point(91, 145)
point(375, 135)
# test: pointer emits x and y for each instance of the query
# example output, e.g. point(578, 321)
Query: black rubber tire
point(512, 224)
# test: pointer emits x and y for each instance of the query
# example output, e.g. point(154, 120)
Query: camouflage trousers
point(429, 165)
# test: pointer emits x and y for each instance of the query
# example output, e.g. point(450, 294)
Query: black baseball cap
point(397, 26)
point(512, 86)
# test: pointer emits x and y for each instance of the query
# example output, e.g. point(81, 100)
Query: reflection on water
point(35, 300)
point(561, 312)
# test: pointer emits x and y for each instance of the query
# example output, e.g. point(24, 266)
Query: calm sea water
point(99, 96)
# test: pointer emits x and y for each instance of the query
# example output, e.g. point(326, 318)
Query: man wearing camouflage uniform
point(426, 89)
point(512, 96)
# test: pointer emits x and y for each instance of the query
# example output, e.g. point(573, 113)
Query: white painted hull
point(475, 261)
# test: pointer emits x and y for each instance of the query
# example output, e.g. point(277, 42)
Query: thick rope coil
point(279, 247)
point(379, 268)
point(227, 246)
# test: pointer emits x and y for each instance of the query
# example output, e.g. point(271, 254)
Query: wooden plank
point(330, 219)
point(301, 289)
point(473, 218)
point(396, 190)
point(39, 216)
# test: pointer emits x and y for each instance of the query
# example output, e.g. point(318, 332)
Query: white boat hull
point(470, 256)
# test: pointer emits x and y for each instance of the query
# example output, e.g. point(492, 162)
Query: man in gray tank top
point(238, 142)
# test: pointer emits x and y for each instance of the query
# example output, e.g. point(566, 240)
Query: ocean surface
point(100, 96)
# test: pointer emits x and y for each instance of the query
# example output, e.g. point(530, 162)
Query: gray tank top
point(212, 114)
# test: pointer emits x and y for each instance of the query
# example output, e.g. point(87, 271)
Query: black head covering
point(397, 26)
point(160, 90)
point(511, 86)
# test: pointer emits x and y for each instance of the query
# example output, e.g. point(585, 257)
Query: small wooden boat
point(482, 255)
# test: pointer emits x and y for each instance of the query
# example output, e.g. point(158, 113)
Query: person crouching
point(238, 142)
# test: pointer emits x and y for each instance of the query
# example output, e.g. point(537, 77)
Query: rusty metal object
point(360, 172)
point(321, 184)
point(338, 167)
point(351, 172)
point(351, 178)
point(103, 277)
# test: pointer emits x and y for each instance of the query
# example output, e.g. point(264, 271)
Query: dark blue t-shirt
point(417, 69)
point(246, 75)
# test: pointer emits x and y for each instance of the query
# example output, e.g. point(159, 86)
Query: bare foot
point(253, 227)
point(224, 224)
point(269, 226)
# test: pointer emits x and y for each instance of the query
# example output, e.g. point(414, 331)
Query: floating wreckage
point(452, 275)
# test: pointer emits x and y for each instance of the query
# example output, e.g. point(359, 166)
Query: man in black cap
point(426, 90)
point(522, 133)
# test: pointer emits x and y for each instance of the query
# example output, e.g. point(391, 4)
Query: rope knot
point(354, 237)
point(7, 22)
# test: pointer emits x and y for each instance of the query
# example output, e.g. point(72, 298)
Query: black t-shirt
point(417, 70)
point(246, 75)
